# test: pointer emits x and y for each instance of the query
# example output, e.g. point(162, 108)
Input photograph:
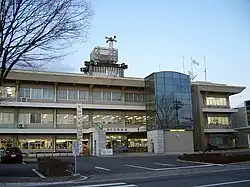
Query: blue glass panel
point(185, 81)
point(176, 81)
point(169, 88)
point(185, 88)
point(177, 96)
point(183, 76)
point(185, 96)
point(160, 74)
point(176, 75)
point(168, 74)
point(160, 88)
point(177, 88)
point(160, 81)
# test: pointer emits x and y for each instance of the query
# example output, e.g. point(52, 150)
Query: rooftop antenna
point(205, 70)
point(110, 41)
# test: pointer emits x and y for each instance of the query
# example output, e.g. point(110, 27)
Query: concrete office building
point(241, 122)
point(46, 111)
point(212, 114)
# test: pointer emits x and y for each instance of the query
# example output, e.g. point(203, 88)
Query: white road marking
point(39, 174)
point(101, 168)
point(120, 184)
point(139, 167)
point(223, 183)
point(184, 167)
point(205, 163)
point(174, 168)
point(160, 164)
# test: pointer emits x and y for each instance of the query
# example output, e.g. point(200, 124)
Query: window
point(107, 118)
point(129, 97)
point(106, 96)
point(35, 118)
point(64, 144)
point(216, 101)
point(24, 92)
point(97, 96)
point(83, 95)
point(218, 120)
point(138, 98)
point(47, 118)
point(48, 93)
point(35, 144)
point(6, 118)
point(116, 96)
point(133, 119)
point(62, 94)
point(66, 119)
point(7, 92)
point(36, 93)
point(6, 143)
point(73, 94)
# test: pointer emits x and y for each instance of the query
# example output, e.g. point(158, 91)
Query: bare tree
point(35, 32)
point(167, 111)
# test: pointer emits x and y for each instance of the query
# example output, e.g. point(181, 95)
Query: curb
point(32, 184)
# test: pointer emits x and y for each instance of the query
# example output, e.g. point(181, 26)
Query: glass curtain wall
point(168, 101)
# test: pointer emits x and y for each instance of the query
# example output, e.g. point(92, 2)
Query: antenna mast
point(205, 70)
point(110, 41)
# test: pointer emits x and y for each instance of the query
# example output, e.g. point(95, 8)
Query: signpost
point(75, 151)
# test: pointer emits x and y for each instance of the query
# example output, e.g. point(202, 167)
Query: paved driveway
point(103, 166)
point(17, 170)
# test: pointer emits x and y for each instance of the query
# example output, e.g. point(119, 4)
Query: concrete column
point(55, 92)
point(55, 118)
point(248, 140)
point(17, 90)
point(155, 141)
point(99, 142)
point(16, 114)
point(79, 133)
point(54, 143)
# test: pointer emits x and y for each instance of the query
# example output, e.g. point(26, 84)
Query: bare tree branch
point(36, 32)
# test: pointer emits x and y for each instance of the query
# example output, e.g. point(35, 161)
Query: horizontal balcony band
point(220, 110)
point(67, 131)
point(73, 105)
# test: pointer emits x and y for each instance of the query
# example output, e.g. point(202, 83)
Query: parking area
point(102, 166)
point(18, 170)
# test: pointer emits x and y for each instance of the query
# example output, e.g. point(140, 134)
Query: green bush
point(217, 158)
point(54, 167)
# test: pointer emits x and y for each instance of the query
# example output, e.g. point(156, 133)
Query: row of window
point(43, 118)
point(218, 120)
point(66, 94)
point(216, 101)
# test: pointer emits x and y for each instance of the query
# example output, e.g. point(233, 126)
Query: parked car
point(12, 155)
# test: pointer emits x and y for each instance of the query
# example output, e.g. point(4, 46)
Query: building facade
point(164, 112)
point(212, 114)
point(241, 122)
point(38, 110)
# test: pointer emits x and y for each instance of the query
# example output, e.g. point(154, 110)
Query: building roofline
point(75, 78)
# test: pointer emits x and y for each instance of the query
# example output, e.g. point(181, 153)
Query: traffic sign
point(75, 148)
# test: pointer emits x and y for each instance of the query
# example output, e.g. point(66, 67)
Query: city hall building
point(163, 112)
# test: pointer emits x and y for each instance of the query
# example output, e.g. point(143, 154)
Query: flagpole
point(205, 70)
point(183, 64)
point(192, 70)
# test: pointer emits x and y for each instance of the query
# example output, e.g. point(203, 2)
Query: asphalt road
point(17, 170)
point(89, 166)
point(223, 179)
